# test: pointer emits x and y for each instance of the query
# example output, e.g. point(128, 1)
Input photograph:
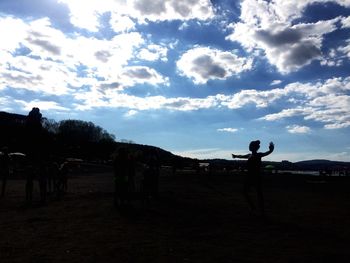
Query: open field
point(195, 219)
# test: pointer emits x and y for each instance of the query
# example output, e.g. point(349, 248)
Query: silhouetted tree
point(82, 131)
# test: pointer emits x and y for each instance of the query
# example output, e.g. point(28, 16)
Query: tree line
point(68, 138)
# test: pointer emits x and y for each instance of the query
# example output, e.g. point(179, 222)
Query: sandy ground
point(195, 219)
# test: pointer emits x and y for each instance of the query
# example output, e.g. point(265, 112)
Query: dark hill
point(321, 165)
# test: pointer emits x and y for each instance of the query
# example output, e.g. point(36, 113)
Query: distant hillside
point(308, 165)
point(321, 165)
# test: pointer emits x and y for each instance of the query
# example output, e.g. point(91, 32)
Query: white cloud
point(121, 23)
point(260, 98)
point(115, 99)
point(153, 52)
point(286, 113)
point(43, 105)
point(230, 130)
point(12, 31)
point(270, 26)
point(58, 64)
point(202, 64)
point(141, 75)
point(159, 10)
point(183, 26)
point(345, 22)
point(298, 129)
point(276, 82)
point(37, 75)
point(326, 102)
point(345, 49)
point(87, 15)
point(130, 113)
point(333, 58)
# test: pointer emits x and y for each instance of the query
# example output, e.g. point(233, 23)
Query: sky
point(198, 78)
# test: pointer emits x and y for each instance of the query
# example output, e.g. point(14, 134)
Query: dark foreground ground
point(195, 219)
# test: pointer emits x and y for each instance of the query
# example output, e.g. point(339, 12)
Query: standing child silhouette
point(253, 177)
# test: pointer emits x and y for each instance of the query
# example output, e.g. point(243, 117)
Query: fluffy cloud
point(155, 10)
point(153, 53)
point(259, 98)
point(287, 113)
point(9, 40)
point(122, 23)
point(130, 113)
point(345, 49)
point(270, 26)
point(298, 129)
point(202, 64)
point(326, 102)
point(123, 13)
point(41, 58)
point(141, 75)
point(43, 105)
point(37, 75)
point(346, 22)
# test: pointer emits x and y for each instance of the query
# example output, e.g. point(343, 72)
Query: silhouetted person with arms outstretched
point(253, 177)
point(4, 169)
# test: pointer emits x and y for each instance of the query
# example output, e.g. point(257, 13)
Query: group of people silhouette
point(124, 174)
point(124, 165)
point(50, 174)
point(52, 177)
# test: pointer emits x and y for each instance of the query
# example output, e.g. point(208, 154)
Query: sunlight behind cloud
point(87, 15)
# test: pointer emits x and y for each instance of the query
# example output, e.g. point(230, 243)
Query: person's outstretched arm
point(245, 156)
point(271, 148)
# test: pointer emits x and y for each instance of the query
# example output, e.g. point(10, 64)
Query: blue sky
point(199, 78)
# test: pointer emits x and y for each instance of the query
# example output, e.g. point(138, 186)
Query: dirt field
point(195, 219)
